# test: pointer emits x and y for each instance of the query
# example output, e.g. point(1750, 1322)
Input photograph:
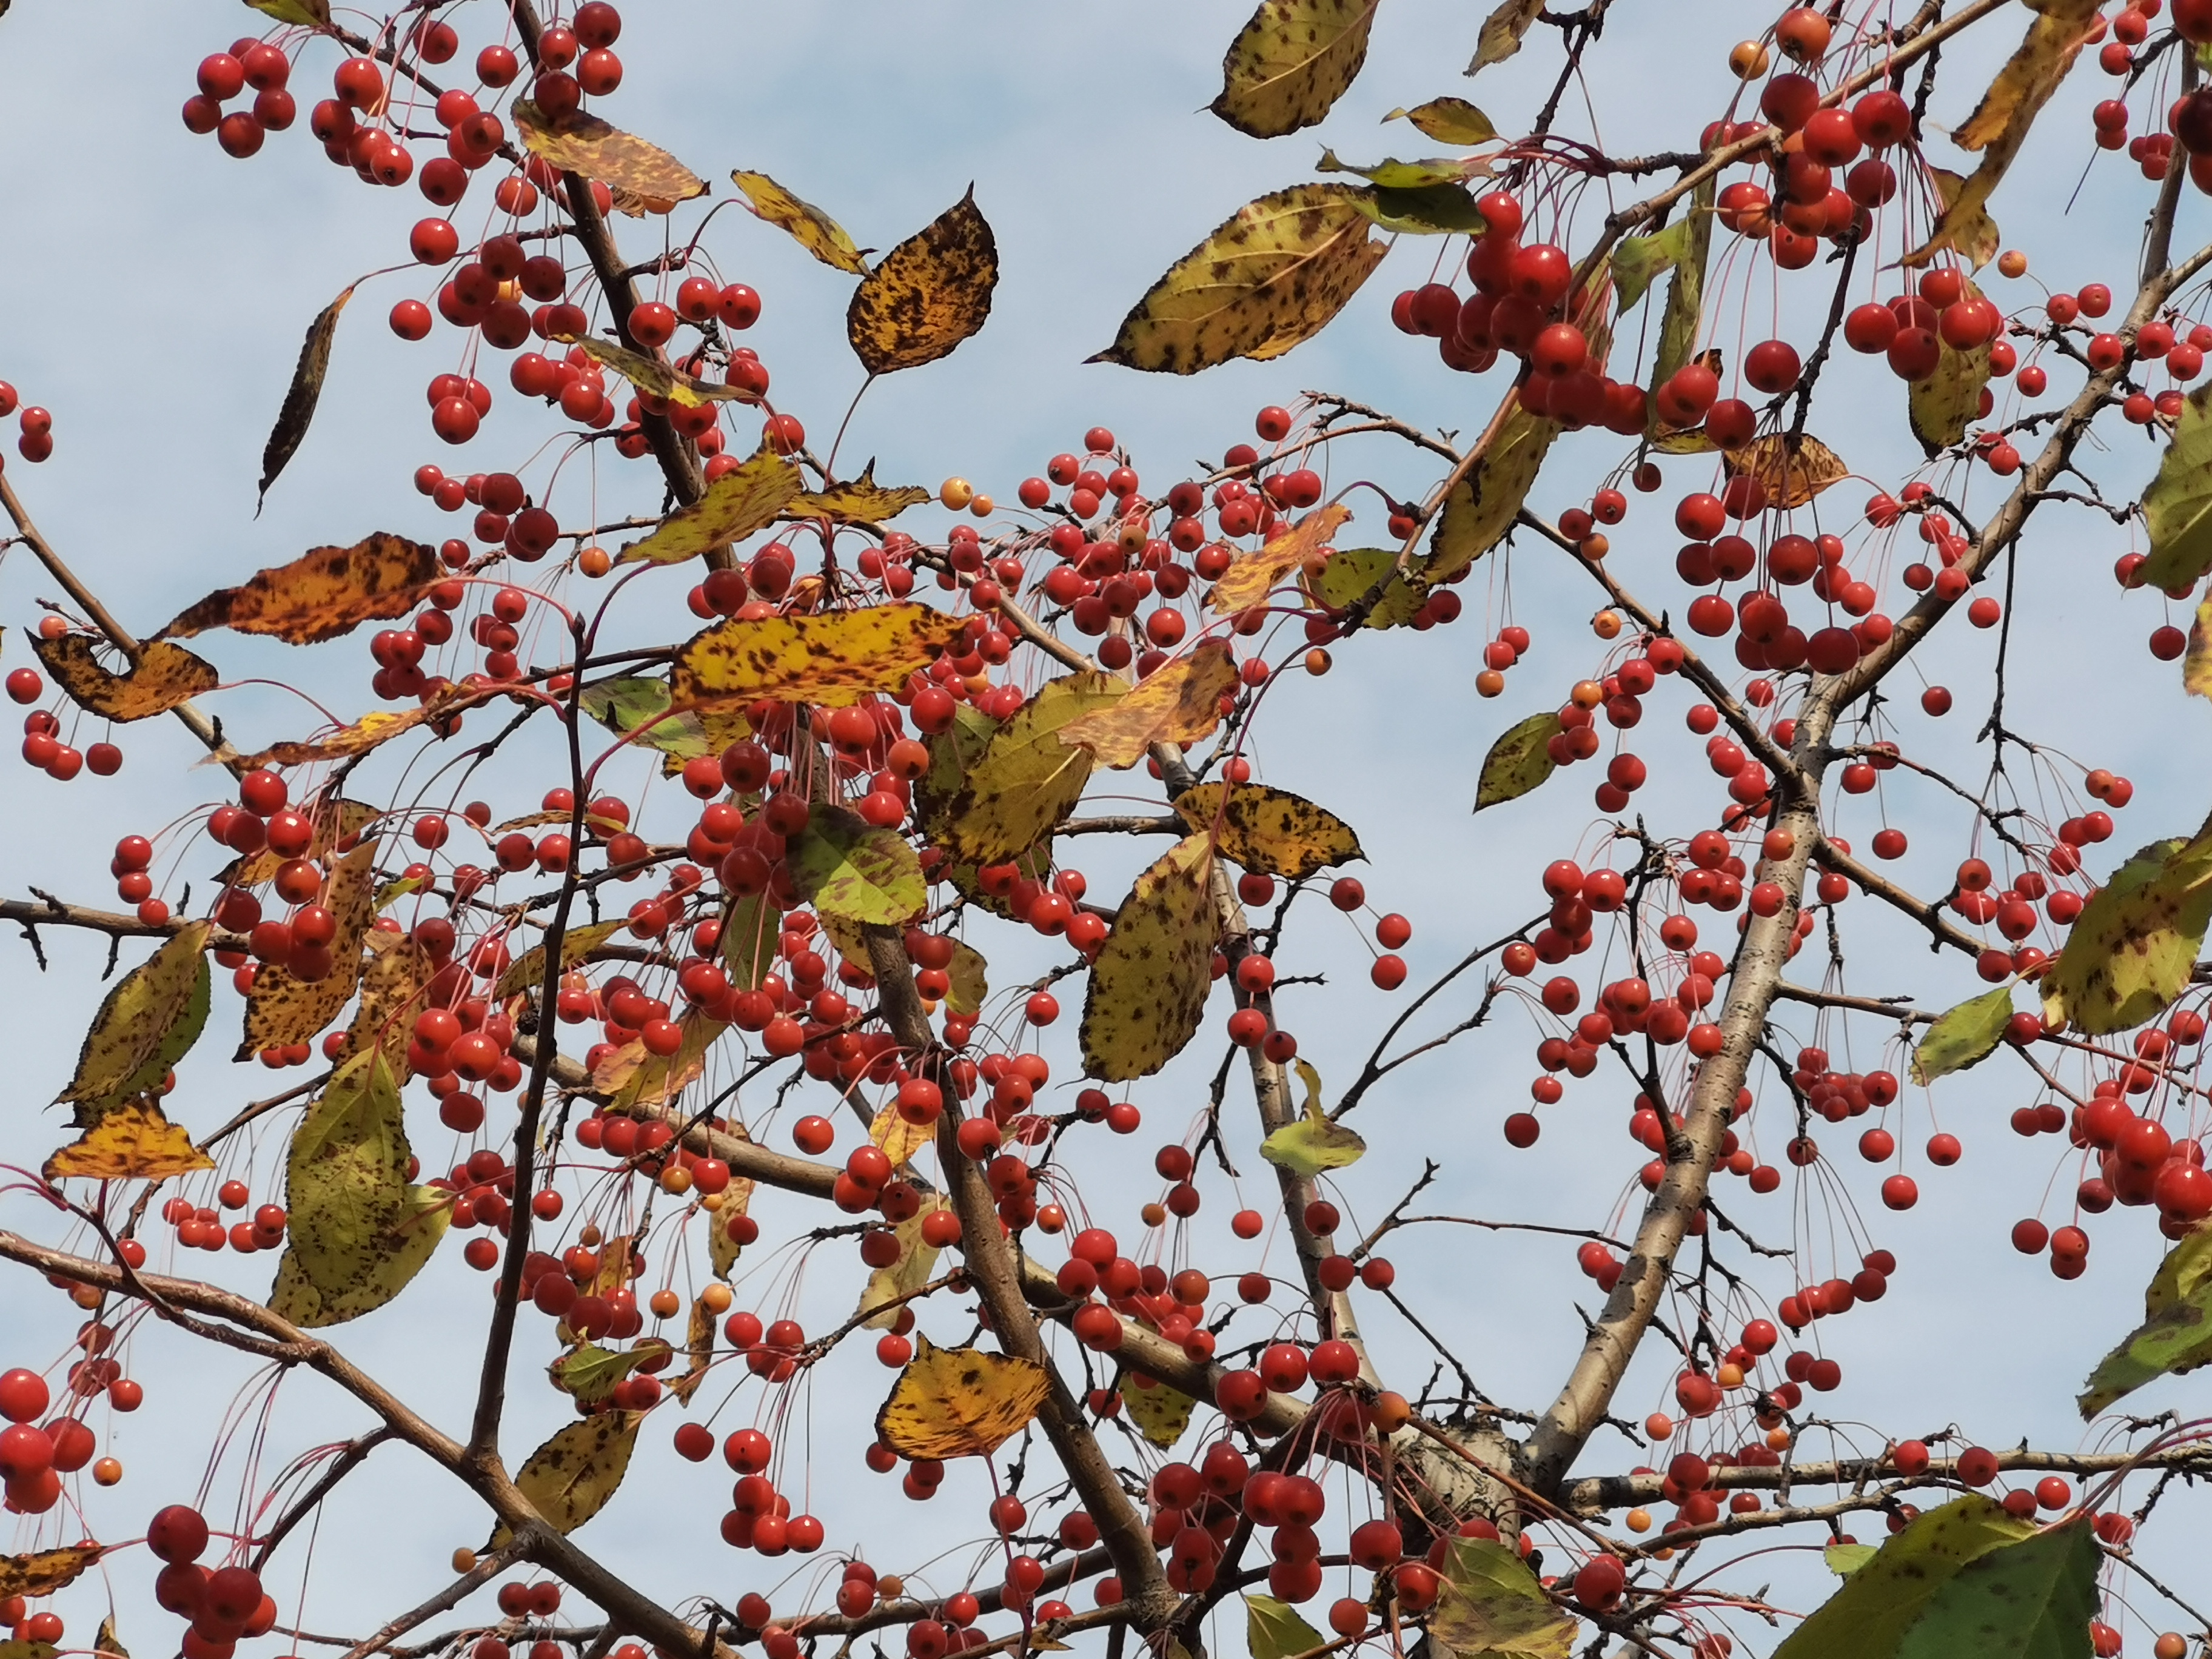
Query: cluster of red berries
point(35, 425)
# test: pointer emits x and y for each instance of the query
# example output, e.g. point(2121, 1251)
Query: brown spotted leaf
point(698, 1350)
point(1291, 63)
point(1968, 228)
point(926, 295)
point(1484, 504)
point(1179, 702)
point(844, 868)
point(372, 729)
point(745, 499)
point(337, 822)
point(45, 1571)
point(1449, 121)
point(166, 675)
point(1792, 474)
point(861, 501)
point(1269, 278)
point(1251, 576)
point(1161, 1414)
point(1146, 997)
point(959, 1402)
point(1521, 760)
point(298, 409)
point(1269, 830)
point(1026, 780)
point(577, 143)
point(325, 592)
point(652, 376)
point(134, 1141)
point(282, 1008)
point(1501, 32)
point(1943, 406)
point(527, 971)
point(809, 226)
point(145, 1025)
point(723, 1247)
point(393, 975)
point(833, 658)
point(2133, 949)
point(569, 1478)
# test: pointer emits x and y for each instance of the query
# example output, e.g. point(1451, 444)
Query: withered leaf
point(644, 177)
point(1250, 576)
point(926, 295)
point(325, 592)
point(1792, 474)
point(745, 499)
point(833, 658)
point(282, 1008)
point(809, 226)
point(1179, 702)
point(652, 376)
point(44, 1571)
point(859, 501)
point(134, 1141)
point(959, 1402)
point(1270, 830)
point(298, 410)
point(166, 675)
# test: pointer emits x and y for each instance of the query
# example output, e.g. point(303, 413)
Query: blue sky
point(154, 296)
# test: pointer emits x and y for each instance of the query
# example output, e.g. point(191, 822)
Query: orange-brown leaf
point(1178, 702)
point(926, 295)
point(165, 676)
point(298, 410)
point(1792, 474)
point(643, 177)
point(1249, 575)
point(325, 592)
point(135, 1141)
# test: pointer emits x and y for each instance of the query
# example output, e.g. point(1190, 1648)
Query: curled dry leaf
point(571, 1477)
point(165, 676)
point(834, 659)
point(959, 1402)
point(372, 729)
point(1792, 473)
point(1026, 780)
point(1251, 576)
point(282, 1008)
point(1270, 830)
point(44, 1571)
point(1179, 702)
point(146, 1024)
point(809, 226)
point(297, 412)
point(325, 592)
point(1146, 996)
point(739, 502)
point(844, 868)
point(653, 377)
point(1270, 276)
point(134, 1141)
point(926, 295)
point(580, 143)
point(861, 501)
point(1501, 32)
point(1291, 63)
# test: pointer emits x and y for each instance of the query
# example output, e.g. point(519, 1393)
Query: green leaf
point(304, 13)
point(1267, 279)
point(358, 1232)
point(1394, 174)
point(1483, 505)
point(1312, 1144)
point(1350, 574)
point(298, 410)
point(146, 1024)
point(1518, 762)
point(2178, 506)
point(15, 1648)
point(627, 706)
point(917, 1260)
point(1501, 32)
point(1291, 62)
point(2032, 1600)
point(1844, 1559)
point(1449, 121)
point(590, 1372)
point(1963, 1037)
point(2131, 951)
point(1869, 1617)
point(1025, 779)
point(748, 941)
point(2175, 1336)
point(1274, 1630)
point(844, 868)
point(569, 1478)
point(1686, 291)
point(1639, 261)
point(1492, 1604)
point(1425, 210)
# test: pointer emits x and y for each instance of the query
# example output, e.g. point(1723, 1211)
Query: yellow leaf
point(372, 730)
point(659, 1077)
point(1969, 230)
point(1160, 1413)
point(1998, 126)
point(722, 1249)
point(1291, 63)
point(970, 987)
point(569, 1478)
point(699, 1350)
point(577, 143)
point(1269, 830)
point(900, 1140)
point(651, 375)
point(304, 13)
point(917, 1260)
point(282, 1008)
point(959, 1402)
point(735, 505)
point(1310, 1144)
point(2132, 950)
point(1270, 276)
point(132, 1142)
point(2197, 665)
point(392, 976)
point(810, 227)
point(325, 592)
point(527, 971)
point(1026, 780)
point(832, 659)
point(1482, 505)
point(1941, 406)
point(845, 867)
point(145, 1024)
point(1501, 32)
point(1146, 997)
point(45, 1571)
point(861, 501)
point(1791, 474)
point(165, 676)
point(336, 823)
point(298, 409)
point(926, 295)
point(1179, 702)
point(1250, 576)
point(1449, 121)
